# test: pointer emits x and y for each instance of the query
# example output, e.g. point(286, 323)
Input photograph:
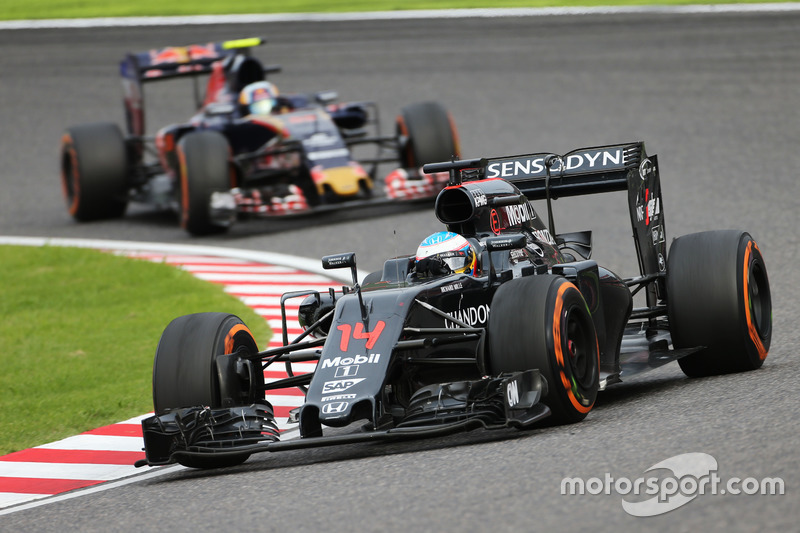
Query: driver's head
point(445, 252)
point(259, 98)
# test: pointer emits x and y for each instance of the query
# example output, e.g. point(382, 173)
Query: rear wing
point(171, 62)
point(618, 167)
point(582, 171)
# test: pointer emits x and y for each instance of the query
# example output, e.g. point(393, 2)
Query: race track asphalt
point(715, 96)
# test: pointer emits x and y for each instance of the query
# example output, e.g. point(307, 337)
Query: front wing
point(509, 401)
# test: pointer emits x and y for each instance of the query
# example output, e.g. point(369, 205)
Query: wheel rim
point(760, 305)
point(579, 348)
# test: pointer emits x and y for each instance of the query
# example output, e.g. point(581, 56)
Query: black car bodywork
point(535, 333)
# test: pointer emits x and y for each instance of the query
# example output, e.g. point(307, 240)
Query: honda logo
point(334, 408)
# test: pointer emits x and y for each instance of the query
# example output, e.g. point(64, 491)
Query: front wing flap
point(214, 430)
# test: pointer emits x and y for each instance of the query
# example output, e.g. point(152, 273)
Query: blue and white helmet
point(448, 248)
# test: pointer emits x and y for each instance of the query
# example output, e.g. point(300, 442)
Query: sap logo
point(331, 387)
point(479, 197)
point(470, 316)
point(335, 408)
point(347, 361)
point(346, 371)
point(517, 214)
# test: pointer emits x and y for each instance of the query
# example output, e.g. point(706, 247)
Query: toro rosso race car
point(248, 150)
point(497, 322)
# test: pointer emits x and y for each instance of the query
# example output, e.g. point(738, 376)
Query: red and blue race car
point(248, 150)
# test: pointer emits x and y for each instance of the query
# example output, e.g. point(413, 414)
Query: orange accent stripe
point(557, 324)
point(751, 327)
point(559, 352)
point(184, 188)
point(229, 338)
point(72, 208)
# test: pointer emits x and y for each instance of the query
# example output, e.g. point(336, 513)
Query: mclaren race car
point(498, 322)
point(248, 150)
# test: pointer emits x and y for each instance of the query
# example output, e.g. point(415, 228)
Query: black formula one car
point(531, 332)
point(237, 157)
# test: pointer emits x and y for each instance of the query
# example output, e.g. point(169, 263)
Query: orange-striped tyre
point(427, 134)
point(543, 322)
point(94, 171)
point(186, 372)
point(718, 297)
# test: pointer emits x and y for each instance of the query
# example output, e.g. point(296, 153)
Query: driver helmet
point(445, 252)
point(259, 98)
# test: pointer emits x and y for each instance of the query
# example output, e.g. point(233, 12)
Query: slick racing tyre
point(186, 372)
point(204, 170)
point(718, 297)
point(430, 135)
point(543, 322)
point(94, 171)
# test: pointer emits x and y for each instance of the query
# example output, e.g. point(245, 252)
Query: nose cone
point(343, 181)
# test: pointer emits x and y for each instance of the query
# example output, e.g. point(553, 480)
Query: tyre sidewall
point(94, 171)
point(204, 168)
point(529, 329)
point(430, 134)
point(185, 371)
point(710, 277)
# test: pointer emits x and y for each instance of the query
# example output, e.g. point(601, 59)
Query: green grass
point(46, 9)
point(78, 331)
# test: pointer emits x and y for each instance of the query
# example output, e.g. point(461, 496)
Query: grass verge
point(79, 329)
point(50, 9)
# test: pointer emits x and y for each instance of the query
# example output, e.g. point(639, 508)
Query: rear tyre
point(204, 169)
point(430, 135)
point(718, 297)
point(94, 171)
point(543, 322)
point(186, 373)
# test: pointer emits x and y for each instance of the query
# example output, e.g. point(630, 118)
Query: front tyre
point(94, 171)
point(543, 322)
point(186, 372)
point(718, 297)
point(204, 158)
